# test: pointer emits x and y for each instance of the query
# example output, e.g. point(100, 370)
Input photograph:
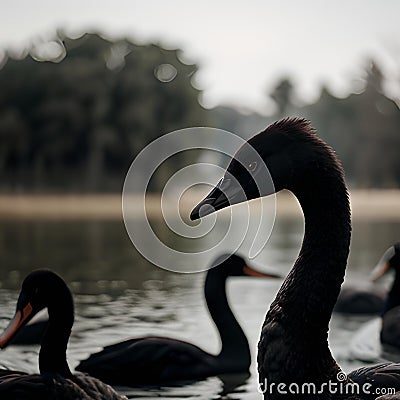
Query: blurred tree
point(379, 123)
point(76, 122)
point(282, 94)
point(363, 128)
point(75, 112)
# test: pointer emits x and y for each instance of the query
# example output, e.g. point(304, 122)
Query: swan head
point(280, 157)
point(40, 289)
point(389, 260)
point(234, 265)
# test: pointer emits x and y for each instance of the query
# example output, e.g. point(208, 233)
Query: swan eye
point(252, 166)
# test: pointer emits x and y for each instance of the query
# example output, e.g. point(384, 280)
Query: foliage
point(77, 124)
point(75, 112)
point(364, 128)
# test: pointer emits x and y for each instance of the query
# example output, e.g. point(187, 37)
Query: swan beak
point(216, 200)
point(227, 193)
point(379, 271)
point(257, 274)
point(21, 317)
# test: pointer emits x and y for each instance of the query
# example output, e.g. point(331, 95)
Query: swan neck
point(320, 268)
point(298, 320)
point(52, 356)
point(234, 345)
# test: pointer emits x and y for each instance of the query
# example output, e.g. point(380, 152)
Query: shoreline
point(366, 204)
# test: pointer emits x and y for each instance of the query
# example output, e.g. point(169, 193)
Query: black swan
point(293, 348)
point(371, 301)
point(163, 359)
point(365, 344)
point(42, 289)
point(390, 331)
point(360, 301)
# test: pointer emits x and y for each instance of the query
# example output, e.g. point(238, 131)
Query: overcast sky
point(242, 47)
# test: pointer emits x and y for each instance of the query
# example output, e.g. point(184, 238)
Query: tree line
point(363, 128)
point(75, 122)
point(75, 112)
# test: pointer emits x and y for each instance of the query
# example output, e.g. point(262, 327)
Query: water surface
point(119, 294)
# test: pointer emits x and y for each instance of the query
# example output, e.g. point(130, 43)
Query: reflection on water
point(119, 294)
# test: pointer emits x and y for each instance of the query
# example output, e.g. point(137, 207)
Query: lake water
point(119, 294)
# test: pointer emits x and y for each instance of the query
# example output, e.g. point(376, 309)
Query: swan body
point(390, 331)
point(30, 334)
point(360, 301)
point(373, 300)
point(382, 335)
